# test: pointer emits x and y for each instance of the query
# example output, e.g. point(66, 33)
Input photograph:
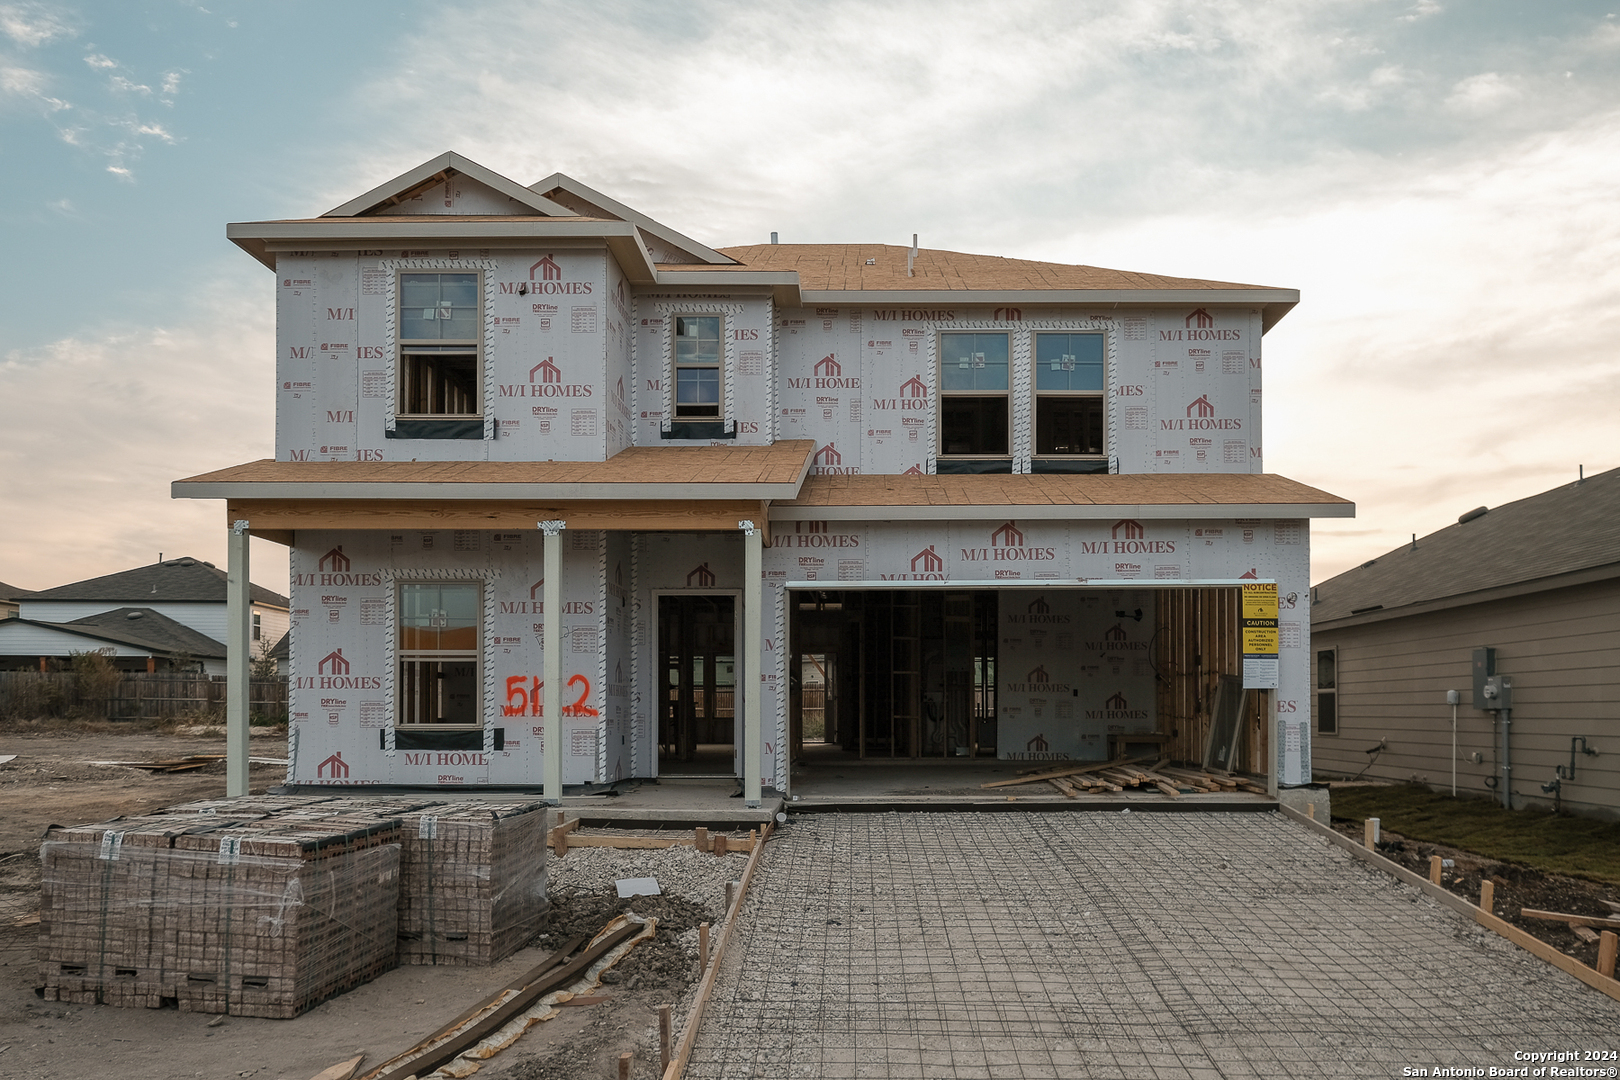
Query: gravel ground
point(587, 1042)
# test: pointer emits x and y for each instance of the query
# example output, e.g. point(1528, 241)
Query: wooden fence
point(28, 695)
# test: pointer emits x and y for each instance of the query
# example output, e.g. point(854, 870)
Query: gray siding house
point(1536, 580)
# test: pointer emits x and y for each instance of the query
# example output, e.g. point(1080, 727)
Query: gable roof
point(435, 171)
point(133, 627)
point(588, 202)
point(1548, 540)
point(183, 580)
point(144, 626)
point(11, 592)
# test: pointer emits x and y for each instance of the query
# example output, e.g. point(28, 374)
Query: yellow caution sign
point(1258, 639)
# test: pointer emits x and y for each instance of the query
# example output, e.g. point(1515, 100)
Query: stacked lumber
point(1122, 773)
point(246, 916)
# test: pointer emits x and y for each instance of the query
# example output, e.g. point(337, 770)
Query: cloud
point(1483, 93)
point(29, 84)
point(100, 62)
point(112, 418)
point(32, 25)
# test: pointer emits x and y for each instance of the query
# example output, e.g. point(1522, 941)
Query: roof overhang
point(265, 240)
point(1064, 512)
point(1273, 303)
point(434, 172)
point(620, 210)
point(1056, 497)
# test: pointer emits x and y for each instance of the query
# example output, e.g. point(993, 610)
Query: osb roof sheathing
point(843, 268)
point(780, 463)
point(1215, 489)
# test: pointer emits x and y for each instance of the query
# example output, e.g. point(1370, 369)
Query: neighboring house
point(9, 597)
point(171, 613)
point(134, 638)
point(1538, 581)
point(1002, 507)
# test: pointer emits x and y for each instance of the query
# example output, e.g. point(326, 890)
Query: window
point(697, 367)
point(1068, 395)
point(258, 627)
point(973, 404)
point(1327, 691)
point(440, 328)
point(439, 654)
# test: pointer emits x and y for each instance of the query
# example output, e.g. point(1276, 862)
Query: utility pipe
point(1507, 758)
point(1453, 749)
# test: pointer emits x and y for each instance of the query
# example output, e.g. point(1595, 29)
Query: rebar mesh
point(1112, 945)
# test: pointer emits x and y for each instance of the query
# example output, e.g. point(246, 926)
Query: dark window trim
point(699, 429)
point(413, 737)
point(954, 466)
point(436, 429)
point(1075, 465)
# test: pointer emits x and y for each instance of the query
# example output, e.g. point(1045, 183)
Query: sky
point(1437, 178)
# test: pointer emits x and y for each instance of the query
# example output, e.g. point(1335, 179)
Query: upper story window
point(973, 400)
point(1068, 394)
point(440, 340)
point(439, 654)
point(699, 370)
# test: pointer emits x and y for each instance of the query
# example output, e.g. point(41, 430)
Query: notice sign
point(1259, 630)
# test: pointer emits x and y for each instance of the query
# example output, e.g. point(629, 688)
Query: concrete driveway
point(1120, 945)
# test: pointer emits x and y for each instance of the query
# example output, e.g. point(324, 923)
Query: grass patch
point(1574, 846)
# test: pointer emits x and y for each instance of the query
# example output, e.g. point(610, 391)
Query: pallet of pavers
point(215, 913)
point(472, 873)
point(102, 891)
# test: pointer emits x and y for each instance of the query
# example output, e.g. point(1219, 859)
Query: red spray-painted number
point(528, 700)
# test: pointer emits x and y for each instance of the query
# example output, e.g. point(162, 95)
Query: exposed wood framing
point(1196, 642)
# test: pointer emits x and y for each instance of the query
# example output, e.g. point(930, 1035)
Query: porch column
point(238, 661)
point(753, 718)
point(551, 664)
point(1278, 741)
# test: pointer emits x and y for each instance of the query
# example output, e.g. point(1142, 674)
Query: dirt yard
point(1517, 887)
point(52, 781)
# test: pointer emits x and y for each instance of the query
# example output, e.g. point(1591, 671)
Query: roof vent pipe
point(773, 237)
point(1476, 512)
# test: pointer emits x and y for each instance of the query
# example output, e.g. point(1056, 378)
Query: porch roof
point(1059, 496)
point(640, 472)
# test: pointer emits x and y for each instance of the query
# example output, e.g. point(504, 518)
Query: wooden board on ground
point(1573, 920)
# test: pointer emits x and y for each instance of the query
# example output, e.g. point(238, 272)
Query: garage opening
point(893, 673)
point(1033, 674)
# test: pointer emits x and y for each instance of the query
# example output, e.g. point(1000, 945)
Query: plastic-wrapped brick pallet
point(216, 913)
point(473, 881)
point(472, 872)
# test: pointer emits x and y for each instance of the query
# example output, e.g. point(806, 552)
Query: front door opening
point(697, 656)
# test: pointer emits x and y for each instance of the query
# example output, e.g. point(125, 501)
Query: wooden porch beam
point(277, 519)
